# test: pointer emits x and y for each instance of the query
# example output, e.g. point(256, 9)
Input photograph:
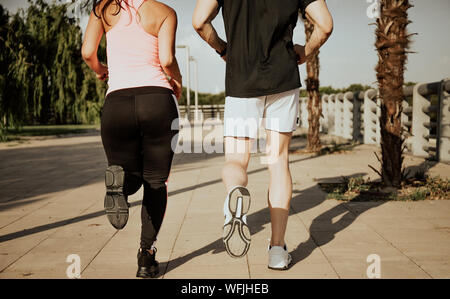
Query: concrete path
point(51, 206)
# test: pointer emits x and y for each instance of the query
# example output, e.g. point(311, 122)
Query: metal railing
point(205, 112)
point(425, 117)
point(356, 116)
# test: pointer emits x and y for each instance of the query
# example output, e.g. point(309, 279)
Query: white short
point(278, 112)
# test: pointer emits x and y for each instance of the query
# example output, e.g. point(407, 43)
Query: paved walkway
point(51, 206)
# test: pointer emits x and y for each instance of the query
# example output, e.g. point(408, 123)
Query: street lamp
point(196, 111)
point(188, 72)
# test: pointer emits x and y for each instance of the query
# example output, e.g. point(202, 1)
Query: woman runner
point(139, 111)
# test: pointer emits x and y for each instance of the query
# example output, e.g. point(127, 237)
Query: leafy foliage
point(43, 79)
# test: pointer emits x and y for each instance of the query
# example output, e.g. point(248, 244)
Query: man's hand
point(301, 54)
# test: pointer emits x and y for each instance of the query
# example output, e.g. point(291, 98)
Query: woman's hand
point(102, 73)
point(177, 87)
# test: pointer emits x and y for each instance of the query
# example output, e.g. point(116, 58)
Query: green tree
point(43, 78)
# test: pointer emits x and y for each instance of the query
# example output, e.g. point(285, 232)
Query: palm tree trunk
point(392, 42)
point(314, 103)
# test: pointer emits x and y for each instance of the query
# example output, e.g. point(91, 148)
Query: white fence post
point(406, 124)
point(303, 112)
point(331, 107)
point(371, 118)
point(419, 121)
point(324, 116)
point(338, 114)
point(347, 116)
point(444, 148)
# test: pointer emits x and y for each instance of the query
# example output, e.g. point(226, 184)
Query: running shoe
point(236, 234)
point(148, 267)
point(279, 258)
point(116, 204)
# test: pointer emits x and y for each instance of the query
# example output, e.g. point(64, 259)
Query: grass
point(18, 134)
point(419, 187)
point(337, 148)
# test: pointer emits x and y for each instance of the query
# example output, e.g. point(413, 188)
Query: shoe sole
point(116, 205)
point(236, 234)
point(143, 273)
point(283, 268)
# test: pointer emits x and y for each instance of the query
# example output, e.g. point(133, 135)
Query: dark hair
point(96, 3)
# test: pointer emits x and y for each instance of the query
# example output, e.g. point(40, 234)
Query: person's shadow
point(322, 229)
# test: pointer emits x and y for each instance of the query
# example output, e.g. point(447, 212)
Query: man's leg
point(241, 119)
point(236, 234)
point(280, 185)
point(237, 156)
point(280, 121)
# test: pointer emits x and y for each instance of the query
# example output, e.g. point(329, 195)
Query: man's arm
point(317, 13)
point(205, 11)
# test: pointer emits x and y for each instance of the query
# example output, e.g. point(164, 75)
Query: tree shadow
point(33, 172)
point(29, 174)
point(41, 228)
point(423, 168)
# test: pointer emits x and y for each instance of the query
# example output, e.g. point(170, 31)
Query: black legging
point(137, 129)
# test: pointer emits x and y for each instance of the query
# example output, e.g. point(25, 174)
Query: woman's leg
point(156, 113)
point(121, 141)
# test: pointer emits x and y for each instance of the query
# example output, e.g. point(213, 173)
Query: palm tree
point(392, 43)
point(314, 102)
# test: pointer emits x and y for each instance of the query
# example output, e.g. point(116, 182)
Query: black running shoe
point(148, 267)
point(116, 204)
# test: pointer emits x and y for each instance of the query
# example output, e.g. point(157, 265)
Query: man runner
point(262, 84)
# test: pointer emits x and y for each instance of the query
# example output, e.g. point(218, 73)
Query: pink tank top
point(133, 55)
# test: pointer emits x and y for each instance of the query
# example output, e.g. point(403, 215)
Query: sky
point(349, 55)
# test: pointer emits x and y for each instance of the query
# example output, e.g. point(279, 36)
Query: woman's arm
point(92, 38)
point(317, 13)
point(166, 40)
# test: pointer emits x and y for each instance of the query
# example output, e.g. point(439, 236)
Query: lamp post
point(196, 112)
point(188, 89)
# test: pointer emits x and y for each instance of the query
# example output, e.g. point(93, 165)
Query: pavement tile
point(44, 219)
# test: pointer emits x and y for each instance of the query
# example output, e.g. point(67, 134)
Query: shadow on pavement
point(88, 161)
point(36, 171)
point(28, 174)
point(45, 227)
point(322, 229)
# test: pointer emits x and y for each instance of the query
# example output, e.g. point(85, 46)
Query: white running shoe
point(279, 258)
point(236, 234)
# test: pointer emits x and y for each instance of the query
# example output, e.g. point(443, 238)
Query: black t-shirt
point(260, 52)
